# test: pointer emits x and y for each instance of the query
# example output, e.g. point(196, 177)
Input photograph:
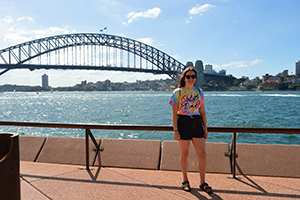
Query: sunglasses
point(193, 76)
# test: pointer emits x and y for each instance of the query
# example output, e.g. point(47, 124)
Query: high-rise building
point(285, 72)
point(298, 68)
point(99, 85)
point(189, 64)
point(208, 68)
point(200, 71)
point(45, 82)
point(222, 72)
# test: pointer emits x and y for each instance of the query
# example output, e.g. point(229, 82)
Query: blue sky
point(244, 37)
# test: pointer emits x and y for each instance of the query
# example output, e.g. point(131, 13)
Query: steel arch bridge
point(89, 51)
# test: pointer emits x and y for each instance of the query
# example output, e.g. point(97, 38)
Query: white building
point(45, 82)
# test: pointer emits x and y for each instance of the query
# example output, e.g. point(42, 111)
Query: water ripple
point(242, 109)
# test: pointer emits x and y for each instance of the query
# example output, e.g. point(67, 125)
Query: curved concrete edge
point(67, 151)
point(253, 159)
point(268, 160)
point(30, 147)
point(138, 154)
point(215, 158)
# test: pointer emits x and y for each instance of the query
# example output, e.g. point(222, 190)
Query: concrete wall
point(216, 162)
point(30, 147)
point(253, 159)
point(141, 154)
point(268, 160)
point(66, 151)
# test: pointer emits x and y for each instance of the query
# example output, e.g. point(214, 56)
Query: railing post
point(234, 154)
point(87, 149)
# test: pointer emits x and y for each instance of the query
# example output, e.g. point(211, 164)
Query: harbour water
point(234, 108)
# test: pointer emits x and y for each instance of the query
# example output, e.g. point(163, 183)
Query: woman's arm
point(203, 116)
point(174, 120)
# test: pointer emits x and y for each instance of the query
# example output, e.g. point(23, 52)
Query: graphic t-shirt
point(189, 101)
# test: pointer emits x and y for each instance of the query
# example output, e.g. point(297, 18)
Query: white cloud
point(176, 57)
point(16, 38)
point(13, 33)
point(8, 20)
point(236, 64)
point(240, 64)
point(255, 62)
point(25, 18)
point(51, 31)
point(151, 13)
point(20, 36)
point(200, 9)
point(148, 41)
point(187, 21)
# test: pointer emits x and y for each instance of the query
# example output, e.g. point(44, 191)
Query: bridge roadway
point(84, 67)
point(207, 77)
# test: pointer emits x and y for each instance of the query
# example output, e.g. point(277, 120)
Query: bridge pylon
point(200, 71)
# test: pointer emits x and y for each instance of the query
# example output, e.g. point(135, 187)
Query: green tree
point(281, 86)
point(250, 87)
point(258, 80)
point(293, 87)
point(237, 81)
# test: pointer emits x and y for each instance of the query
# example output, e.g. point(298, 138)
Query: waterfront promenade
point(56, 181)
point(56, 167)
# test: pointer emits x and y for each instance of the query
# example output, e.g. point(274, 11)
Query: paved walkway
point(52, 181)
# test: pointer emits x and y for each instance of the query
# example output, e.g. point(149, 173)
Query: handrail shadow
point(194, 191)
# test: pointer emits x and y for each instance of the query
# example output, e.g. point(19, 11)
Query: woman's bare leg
point(184, 152)
point(199, 144)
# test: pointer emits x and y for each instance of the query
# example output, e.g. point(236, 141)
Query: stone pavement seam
point(35, 188)
point(143, 182)
point(280, 185)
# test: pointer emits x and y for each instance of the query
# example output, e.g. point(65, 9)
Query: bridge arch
point(20, 56)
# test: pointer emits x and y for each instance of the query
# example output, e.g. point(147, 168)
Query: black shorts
point(190, 126)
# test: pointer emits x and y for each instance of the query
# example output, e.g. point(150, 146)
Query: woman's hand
point(176, 135)
point(205, 133)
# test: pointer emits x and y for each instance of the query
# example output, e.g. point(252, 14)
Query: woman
point(189, 124)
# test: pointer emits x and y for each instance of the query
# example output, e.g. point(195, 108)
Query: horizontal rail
point(232, 152)
point(150, 127)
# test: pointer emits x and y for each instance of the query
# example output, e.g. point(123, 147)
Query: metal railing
point(88, 134)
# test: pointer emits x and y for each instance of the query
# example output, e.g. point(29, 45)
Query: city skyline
point(84, 82)
point(245, 38)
